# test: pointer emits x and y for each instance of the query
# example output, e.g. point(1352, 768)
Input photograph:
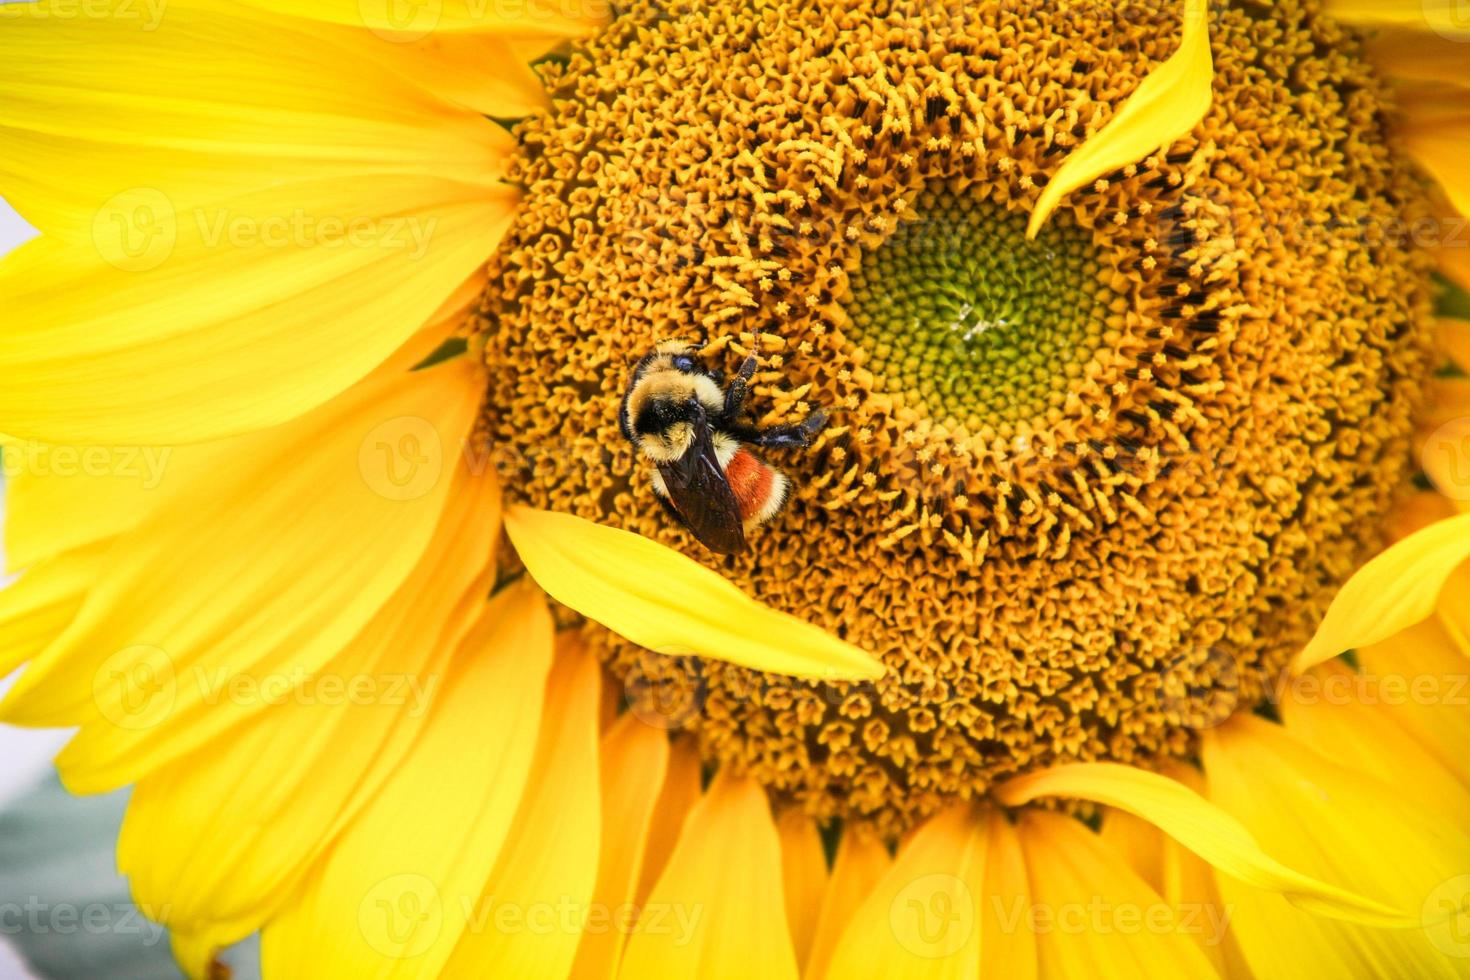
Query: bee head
point(670, 396)
point(681, 356)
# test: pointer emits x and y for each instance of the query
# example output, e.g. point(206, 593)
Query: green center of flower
point(984, 325)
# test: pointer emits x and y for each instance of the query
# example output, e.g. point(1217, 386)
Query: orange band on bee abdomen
point(752, 481)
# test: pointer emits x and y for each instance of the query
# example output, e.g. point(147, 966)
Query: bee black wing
point(702, 497)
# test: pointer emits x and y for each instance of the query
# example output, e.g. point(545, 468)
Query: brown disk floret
point(1081, 495)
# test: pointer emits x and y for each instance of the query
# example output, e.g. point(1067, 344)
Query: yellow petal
point(1445, 18)
point(1190, 888)
point(487, 71)
point(1425, 686)
point(1454, 603)
point(267, 575)
point(1139, 843)
point(1100, 919)
point(669, 603)
point(397, 889)
point(1342, 714)
point(1205, 829)
point(1415, 512)
point(195, 952)
point(805, 880)
point(299, 772)
point(39, 605)
point(536, 19)
point(215, 875)
point(64, 497)
point(1419, 56)
point(1186, 883)
point(1166, 106)
point(1448, 404)
point(1007, 944)
point(1396, 589)
point(1190, 884)
point(454, 66)
point(1435, 130)
point(718, 912)
point(538, 900)
point(61, 498)
point(922, 921)
point(862, 861)
point(679, 794)
point(208, 106)
point(635, 758)
point(1341, 825)
point(255, 315)
point(1455, 263)
point(1443, 443)
point(1454, 339)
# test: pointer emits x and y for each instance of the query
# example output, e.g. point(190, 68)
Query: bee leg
point(797, 436)
point(738, 389)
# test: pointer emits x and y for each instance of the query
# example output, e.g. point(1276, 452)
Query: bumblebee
point(678, 414)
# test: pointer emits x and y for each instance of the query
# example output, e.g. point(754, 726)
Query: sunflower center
point(1082, 496)
point(986, 326)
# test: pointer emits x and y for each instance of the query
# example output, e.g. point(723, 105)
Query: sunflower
point(1116, 625)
